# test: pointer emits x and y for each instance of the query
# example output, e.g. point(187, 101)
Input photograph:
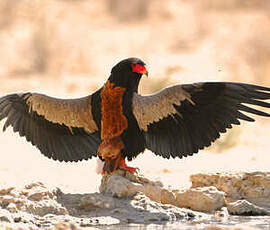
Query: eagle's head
point(128, 72)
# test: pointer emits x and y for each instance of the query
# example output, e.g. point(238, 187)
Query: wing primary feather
point(54, 149)
point(251, 110)
point(173, 139)
point(27, 128)
point(10, 118)
point(37, 133)
point(21, 126)
point(253, 88)
point(188, 141)
point(16, 124)
point(3, 104)
point(59, 153)
point(31, 130)
point(256, 102)
point(182, 148)
point(6, 109)
point(244, 117)
point(44, 143)
point(51, 147)
point(258, 87)
point(2, 116)
point(64, 148)
point(248, 91)
point(72, 148)
point(34, 128)
point(230, 116)
point(192, 131)
point(84, 148)
point(257, 95)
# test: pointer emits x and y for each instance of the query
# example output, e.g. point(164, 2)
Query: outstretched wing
point(61, 129)
point(180, 120)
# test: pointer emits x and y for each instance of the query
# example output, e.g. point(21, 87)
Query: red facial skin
point(137, 68)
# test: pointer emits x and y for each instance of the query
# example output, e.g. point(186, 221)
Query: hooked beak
point(145, 72)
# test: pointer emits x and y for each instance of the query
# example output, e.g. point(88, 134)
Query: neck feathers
point(129, 81)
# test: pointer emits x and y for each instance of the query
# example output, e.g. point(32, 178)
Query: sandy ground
point(22, 163)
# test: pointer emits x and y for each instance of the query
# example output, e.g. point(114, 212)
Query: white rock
point(119, 186)
point(206, 199)
point(253, 187)
point(243, 207)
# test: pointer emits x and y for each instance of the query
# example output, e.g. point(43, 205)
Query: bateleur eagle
point(116, 122)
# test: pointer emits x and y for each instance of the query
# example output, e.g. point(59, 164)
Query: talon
point(124, 166)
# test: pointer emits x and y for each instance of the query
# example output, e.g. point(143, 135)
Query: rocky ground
point(131, 200)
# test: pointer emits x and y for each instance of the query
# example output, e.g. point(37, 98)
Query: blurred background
point(66, 48)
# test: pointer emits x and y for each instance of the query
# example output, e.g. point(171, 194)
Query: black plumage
point(175, 122)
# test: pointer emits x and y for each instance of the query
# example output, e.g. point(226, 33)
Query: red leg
point(124, 166)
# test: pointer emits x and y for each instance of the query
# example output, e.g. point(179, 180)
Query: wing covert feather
point(152, 108)
point(70, 112)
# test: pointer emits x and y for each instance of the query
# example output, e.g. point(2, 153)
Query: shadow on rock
point(125, 198)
